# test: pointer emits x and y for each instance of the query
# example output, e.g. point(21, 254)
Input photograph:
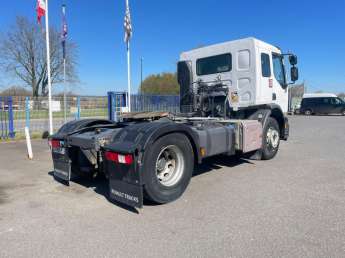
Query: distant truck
point(322, 104)
point(233, 100)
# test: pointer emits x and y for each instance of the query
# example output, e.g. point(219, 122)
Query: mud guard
point(125, 184)
point(62, 165)
point(124, 192)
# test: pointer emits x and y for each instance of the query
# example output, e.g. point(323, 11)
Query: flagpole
point(128, 69)
point(64, 91)
point(129, 76)
point(64, 63)
point(48, 72)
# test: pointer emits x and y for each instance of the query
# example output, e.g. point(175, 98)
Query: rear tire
point(343, 112)
point(270, 139)
point(168, 168)
point(308, 112)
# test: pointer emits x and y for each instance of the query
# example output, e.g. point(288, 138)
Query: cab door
point(266, 80)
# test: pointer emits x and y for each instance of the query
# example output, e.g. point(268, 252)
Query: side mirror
point(293, 60)
point(294, 73)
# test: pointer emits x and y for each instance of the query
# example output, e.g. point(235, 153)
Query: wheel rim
point(308, 113)
point(169, 165)
point(272, 138)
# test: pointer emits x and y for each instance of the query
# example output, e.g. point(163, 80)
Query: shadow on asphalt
point(3, 196)
point(218, 162)
point(101, 187)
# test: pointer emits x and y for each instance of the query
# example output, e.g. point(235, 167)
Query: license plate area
point(61, 150)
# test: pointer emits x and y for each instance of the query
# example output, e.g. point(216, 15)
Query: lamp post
point(141, 73)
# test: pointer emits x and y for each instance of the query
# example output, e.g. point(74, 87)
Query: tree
point(161, 84)
point(68, 94)
point(297, 91)
point(23, 55)
point(342, 95)
point(15, 91)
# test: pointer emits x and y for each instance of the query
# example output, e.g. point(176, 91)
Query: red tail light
point(55, 144)
point(126, 159)
point(111, 156)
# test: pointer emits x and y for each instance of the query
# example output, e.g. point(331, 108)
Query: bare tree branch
point(23, 55)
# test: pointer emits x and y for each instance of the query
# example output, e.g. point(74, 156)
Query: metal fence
point(18, 112)
point(140, 103)
point(6, 118)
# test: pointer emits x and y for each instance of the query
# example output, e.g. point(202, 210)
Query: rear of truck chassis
point(153, 157)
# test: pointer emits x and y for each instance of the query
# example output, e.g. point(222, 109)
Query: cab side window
point(265, 65)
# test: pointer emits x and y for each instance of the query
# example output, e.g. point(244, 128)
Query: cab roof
point(233, 43)
point(319, 95)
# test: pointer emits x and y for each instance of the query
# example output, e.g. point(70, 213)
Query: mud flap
point(129, 194)
point(125, 184)
point(286, 130)
point(62, 166)
point(62, 170)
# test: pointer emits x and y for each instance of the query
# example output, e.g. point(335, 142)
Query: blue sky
point(314, 30)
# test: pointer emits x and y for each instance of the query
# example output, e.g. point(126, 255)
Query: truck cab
point(252, 71)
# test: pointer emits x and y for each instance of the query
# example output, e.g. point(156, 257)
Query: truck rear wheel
point(271, 139)
point(168, 168)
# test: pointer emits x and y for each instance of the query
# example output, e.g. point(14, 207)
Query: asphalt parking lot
point(292, 206)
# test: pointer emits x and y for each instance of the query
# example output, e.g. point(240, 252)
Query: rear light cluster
point(55, 144)
point(126, 159)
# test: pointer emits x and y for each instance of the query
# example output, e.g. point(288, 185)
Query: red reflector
point(55, 144)
point(111, 156)
point(119, 158)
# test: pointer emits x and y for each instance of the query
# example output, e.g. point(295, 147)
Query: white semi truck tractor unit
point(233, 100)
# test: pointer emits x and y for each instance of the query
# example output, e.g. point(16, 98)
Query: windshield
point(214, 64)
point(278, 69)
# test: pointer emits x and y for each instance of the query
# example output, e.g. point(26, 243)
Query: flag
point(41, 9)
point(128, 24)
point(64, 31)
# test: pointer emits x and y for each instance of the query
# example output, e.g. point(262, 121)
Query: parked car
point(322, 103)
